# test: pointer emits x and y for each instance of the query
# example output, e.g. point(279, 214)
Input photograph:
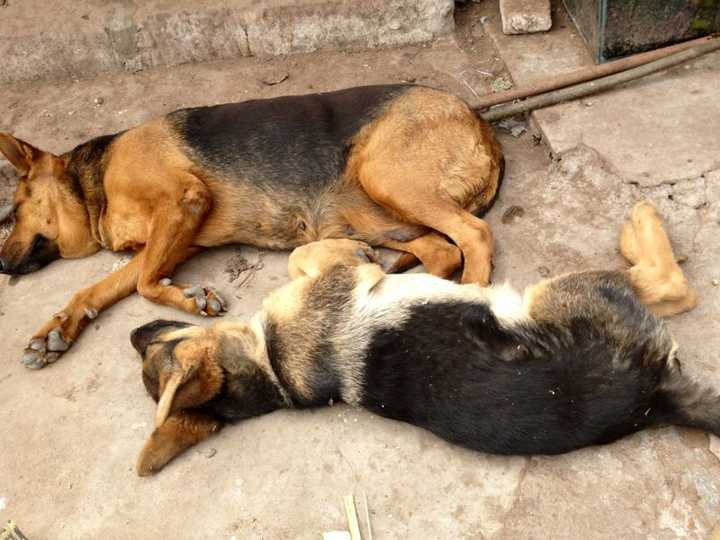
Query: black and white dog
point(576, 360)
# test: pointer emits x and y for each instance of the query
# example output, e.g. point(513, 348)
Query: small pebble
point(715, 282)
point(211, 453)
point(98, 101)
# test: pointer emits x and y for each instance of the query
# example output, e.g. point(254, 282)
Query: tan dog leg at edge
point(656, 276)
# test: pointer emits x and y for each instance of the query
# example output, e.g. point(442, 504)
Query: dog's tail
point(681, 401)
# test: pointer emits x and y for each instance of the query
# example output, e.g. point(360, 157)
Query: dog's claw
point(200, 302)
point(194, 292)
point(55, 342)
point(33, 360)
point(37, 344)
point(214, 305)
point(166, 282)
point(29, 357)
point(91, 313)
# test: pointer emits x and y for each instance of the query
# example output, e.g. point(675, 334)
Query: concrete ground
point(72, 431)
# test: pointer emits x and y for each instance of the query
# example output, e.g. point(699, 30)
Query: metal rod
point(598, 85)
point(584, 74)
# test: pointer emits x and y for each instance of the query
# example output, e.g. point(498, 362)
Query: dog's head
point(181, 368)
point(50, 219)
point(184, 367)
point(201, 378)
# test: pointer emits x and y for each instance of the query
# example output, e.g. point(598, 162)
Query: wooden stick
point(352, 518)
point(598, 85)
point(585, 74)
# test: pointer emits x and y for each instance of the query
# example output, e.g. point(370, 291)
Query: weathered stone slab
point(525, 16)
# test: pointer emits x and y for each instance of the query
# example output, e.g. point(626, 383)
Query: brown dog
point(576, 360)
point(400, 166)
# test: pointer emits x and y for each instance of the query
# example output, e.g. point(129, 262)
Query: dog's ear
point(176, 376)
point(19, 153)
point(192, 378)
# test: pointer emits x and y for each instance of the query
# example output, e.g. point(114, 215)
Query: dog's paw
point(42, 351)
point(207, 300)
point(56, 336)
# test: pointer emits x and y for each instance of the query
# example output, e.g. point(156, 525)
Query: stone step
point(83, 39)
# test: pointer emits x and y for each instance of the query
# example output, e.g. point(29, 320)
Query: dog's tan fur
point(414, 173)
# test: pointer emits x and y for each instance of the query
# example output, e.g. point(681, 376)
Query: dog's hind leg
point(657, 278)
point(440, 257)
point(317, 257)
point(472, 235)
point(173, 227)
point(430, 161)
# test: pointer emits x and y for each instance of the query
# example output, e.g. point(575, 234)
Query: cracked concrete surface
point(72, 431)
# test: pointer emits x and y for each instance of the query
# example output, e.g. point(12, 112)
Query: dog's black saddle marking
point(290, 143)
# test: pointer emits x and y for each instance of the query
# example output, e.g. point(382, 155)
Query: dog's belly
point(243, 213)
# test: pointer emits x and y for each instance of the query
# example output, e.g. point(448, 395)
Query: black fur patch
point(453, 369)
point(87, 169)
point(243, 396)
point(290, 143)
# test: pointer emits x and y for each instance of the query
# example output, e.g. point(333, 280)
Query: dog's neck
point(262, 357)
point(86, 167)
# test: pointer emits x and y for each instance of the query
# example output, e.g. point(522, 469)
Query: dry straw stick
point(352, 518)
point(367, 517)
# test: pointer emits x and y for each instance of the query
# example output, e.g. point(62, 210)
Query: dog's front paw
point(45, 350)
point(56, 337)
point(208, 301)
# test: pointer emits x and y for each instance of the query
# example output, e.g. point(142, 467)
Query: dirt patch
point(512, 213)
point(239, 268)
